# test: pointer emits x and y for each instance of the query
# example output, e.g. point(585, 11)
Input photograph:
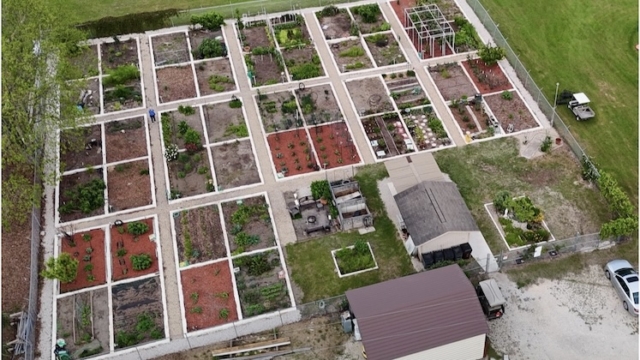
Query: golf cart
point(578, 103)
point(491, 299)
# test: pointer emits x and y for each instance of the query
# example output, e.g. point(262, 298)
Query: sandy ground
point(578, 317)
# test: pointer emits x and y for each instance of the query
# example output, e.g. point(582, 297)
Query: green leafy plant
point(466, 34)
point(63, 268)
point(141, 262)
point(210, 48)
point(192, 137)
point(137, 228)
point(305, 71)
point(238, 131)
point(545, 146)
point(223, 313)
point(502, 201)
point(121, 252)
point(86, 237)
point(194, 297)
point(196, 310)
point(354, 259)
point(186, 110)
point(121, 75)
point(210, 21)
point(490, 55)
point(84, 198)
point(355, 51)
point(88, 267)
point(235, 104)
point(507, 95)
point(369, 13)
point(245, 240)
point(437, 128)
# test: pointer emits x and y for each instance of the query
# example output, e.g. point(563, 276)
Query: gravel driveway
point(578, 317)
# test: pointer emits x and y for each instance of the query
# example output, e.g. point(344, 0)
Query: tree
point(490, 55)
point(619, 227)
point(37, 99)
point(210, 48)
point(210, 21)
point(63, 268)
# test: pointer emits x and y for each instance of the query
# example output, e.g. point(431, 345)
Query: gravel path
point(578, 317)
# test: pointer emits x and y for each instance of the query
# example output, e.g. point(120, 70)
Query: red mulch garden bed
point(290, 151)
point(121, 266)
point(488, 79)
point(91, 263)
point(207, 292)
point(334, 145)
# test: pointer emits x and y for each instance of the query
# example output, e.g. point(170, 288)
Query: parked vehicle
point(578, 103)
point(624, 279)
point(491, 299)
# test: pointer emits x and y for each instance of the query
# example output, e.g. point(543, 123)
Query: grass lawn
point(312, 266)
point(552, 181)
point(586, 46)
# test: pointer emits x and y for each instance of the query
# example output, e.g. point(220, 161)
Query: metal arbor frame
point(426, 22)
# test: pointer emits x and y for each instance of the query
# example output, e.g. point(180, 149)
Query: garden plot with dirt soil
point(426, 129)
point(170, 49)
point(234, 164)
point(248, 224)
point(199, 235)
point(470, 117)
point(129, 185)
point(385, 49)
point(196, 37)
point(208, 296)
point(261, 283)
point(335, 23)
point(451, 81)
point(116, 54)
point(133, 250)
point(81, 147)
point(138, 312)
point(350, 55)
point(303, 63)
point(487, 79)
point(88, 248)
point(535, 323)
point(511, 111)
point(224, 123)
point(386, 133)
point(405, 90)
point(177, 123)
point(81, 195)
point(126, 139)
point(83, 321)
point(125, 96)
point(86, 62)
point(256, 35)
point(318, 105)
point(369, 18)
point(214, 77)
point(190, 174)
point(277, 111)
point(175, 83)
point(369, 96)
point(291, 153)
point(266, 69)
point(334, 145)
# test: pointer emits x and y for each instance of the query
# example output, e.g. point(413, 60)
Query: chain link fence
point(323, 307)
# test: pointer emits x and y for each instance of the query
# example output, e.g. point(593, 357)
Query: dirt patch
point(68, 183)
point(319, 105)
point(83, 321)
point(235, 165)
point(350, 56)
point(406, 92)
point(208, 295)
point(137, 312)
point(251, 219)
point(307, 56)
point(196, 37)
point(190, 175)
point(121, 260)
point(291, 153)
point(451, 81)
point(385, 49)
point(81, 148)
point(16, 260)
point(337, 26)
point(89, 96)
point(255, 36)
point(170, 49)
point(369, 96)
point(215, 77)
point(88, 248)
point(488, 79)
point(128, 96)
point(87, 62)
point(334, 145)
point(267, 69)
point(224, 122)
point(175, 83)
point(511, 113)
point(273, 116)
point(468, 118)
point(198, 231)
point(170, 126)
point(386, 134)
point(128, 185)
point(125, 139)
point(261, 283)
point(115, 54)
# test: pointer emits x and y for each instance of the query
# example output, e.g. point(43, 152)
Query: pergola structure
point(427, 23)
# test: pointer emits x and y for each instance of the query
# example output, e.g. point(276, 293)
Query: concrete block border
point(341, 275)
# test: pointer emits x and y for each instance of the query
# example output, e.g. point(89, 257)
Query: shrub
point(355, 259)
point(235, 104)
point(210, 48)
point(437, 128)
point(546, 144)
point(192, 137)
point(141, 262)
point(137, 228)
point(63, 268)
point(171, 153)
point(466, 34)
point(121, 252)
point(305, 71)
point(186, 110)
point(507, 95)
point(355, 51)
point(502, 201)
point(120, 75)
point(369, 13)
point(84, 198)
point(490, 55)
point(209, 21)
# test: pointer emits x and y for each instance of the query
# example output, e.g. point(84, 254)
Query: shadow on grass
point(311, 264)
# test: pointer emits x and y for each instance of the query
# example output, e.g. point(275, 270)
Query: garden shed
point(429, 315)
point(353, 212)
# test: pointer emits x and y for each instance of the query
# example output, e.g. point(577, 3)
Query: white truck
point(579, 105)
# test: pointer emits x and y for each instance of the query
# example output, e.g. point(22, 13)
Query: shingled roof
point(434, 208)
point(418, 312)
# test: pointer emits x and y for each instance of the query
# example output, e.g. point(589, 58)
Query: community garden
point(133, 250)
point(263, 60)
point(248, 225)
point(121, 80)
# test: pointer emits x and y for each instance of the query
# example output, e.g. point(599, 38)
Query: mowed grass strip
point(586, 46)
point(312, 266)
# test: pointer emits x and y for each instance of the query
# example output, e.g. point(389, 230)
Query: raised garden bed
point(88, 248)
point(91, 100)
point(334, 145)
point(256, 35)
point(451, 81)
point(224, 122)
point(469, 117)
point(125, 139)
point(215, 77)
point(291, 153)
point(175, 125)
point(122, 97)
point(86, 62)
point(318, 105)
point(81, 195)
point(511, 112)
point(405, 90)
point(488, 79)
point(128, 185)
point(350, 56)
point(519, 222)
point(261, 283)
point(369, 96)
point(235, 164)
point(303, 63)
point(81, 147)
point(190, 174)
point(175, 83)
point(354, 259)
point(265, 67)
point(83, 322)
point(387, 134)
point(196, 37)
point(369, 18)
point(208, 296)
point(115, 54)
point(278, 111)
point(133, 250)
point(199, 235)
point(385, 49)
point(170, 49)
point(426, 129)
point(336, 23)
point(248, 224)
point(138, 316)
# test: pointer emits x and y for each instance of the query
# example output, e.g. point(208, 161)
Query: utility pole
point(555, 104)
